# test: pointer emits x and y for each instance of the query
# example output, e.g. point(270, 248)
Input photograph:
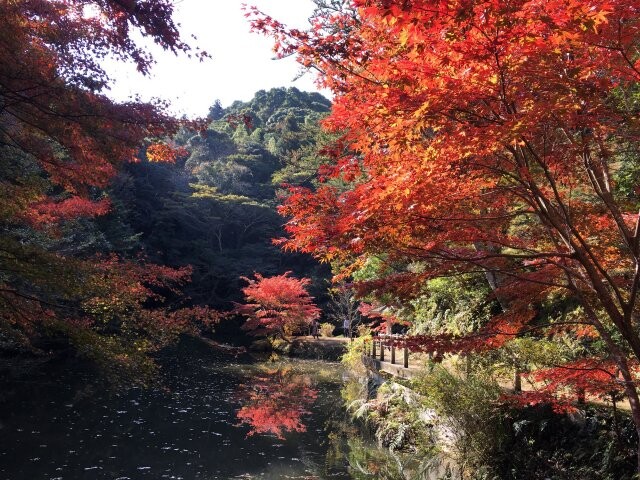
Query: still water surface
point(215, 417)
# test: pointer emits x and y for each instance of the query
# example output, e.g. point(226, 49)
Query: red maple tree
point(274, 303)
point(483, 136)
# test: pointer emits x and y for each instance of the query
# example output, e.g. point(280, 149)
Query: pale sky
point(242, 62)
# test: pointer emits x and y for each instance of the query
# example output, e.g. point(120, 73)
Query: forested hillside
point(215, 208)
point(174, 230)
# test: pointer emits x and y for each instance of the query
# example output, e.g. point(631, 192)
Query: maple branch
point(586, 369)
point(468, 260)
point(621, 48)
point(576, 234)
point(604, 193)
point(31, 298)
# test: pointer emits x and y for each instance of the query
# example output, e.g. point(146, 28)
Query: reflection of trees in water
point(355, 444)
point(368, 461)
point(275, 400)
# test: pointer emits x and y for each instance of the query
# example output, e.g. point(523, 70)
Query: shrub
point(363, 330)
point(326, 329)
point(352, 358)
point(467, 407)
point(292, 329)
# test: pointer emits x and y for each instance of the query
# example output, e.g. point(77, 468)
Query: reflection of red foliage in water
point(275, 402)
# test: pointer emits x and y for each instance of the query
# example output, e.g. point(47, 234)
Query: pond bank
point(464, 425)
point(323, 348)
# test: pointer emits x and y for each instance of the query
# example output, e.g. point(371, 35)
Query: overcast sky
point(242, 62)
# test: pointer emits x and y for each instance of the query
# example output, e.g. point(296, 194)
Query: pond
point(213, 417)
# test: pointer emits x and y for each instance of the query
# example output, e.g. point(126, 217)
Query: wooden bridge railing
point(381, 343)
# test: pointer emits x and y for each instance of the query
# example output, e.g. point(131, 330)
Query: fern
point(360, 409)
point(400, 437)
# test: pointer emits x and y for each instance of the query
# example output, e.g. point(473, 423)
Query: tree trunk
point(616, 427)
point(634, 402)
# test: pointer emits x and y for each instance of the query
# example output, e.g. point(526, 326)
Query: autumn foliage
point(274, 303)
point(483, 136)
point(62, 142)
point(52, 84)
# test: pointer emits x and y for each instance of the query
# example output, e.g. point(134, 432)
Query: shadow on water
point(214, 417)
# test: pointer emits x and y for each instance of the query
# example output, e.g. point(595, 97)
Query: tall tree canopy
point(489, 136)
point(62, 141)
point(51, 81)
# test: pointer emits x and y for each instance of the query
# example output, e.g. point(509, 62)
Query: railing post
point(406, 357)
point(373, 348)
point(393, 354)
point(381, 351)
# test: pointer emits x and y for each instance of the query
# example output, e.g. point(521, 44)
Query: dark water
point(215, 417)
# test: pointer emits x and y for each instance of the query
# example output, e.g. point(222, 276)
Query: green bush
point(468, 409)
point(352, 358)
